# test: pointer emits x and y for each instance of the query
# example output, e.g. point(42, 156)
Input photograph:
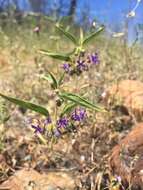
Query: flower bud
point(58, 102)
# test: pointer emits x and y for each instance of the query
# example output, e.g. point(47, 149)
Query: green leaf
point(27, 105)
point(64, 20)
point(61, 79)
point(51, 78)
point(67, 34)
point(92, 35)
point(68, 108)
point(60, 56)
point(4, 112)
point(81, 37)
point(72, 52)
point(81, 101)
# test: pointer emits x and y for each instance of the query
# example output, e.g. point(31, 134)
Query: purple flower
point(78, 114)
point(118, 178)
point(81, 65)
point(47, 121)
point(57, 133)
point(94, 58)
point(66, 67)
point(82, 113)
point(37, 128)
point(75, 117)
point(62, 122)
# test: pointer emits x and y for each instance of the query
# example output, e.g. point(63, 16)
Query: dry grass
point(88, 150)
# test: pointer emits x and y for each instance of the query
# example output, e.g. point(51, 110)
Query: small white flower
point(73, 141)
point(131, 14)
point(119, 179)
point(82, 158)
point(141, 172)
point(119, 34)
point(36, 29)
point(104, 94)
point(94, 24)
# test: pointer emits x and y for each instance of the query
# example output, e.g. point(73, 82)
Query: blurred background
point(29, 25)
point(111, 13)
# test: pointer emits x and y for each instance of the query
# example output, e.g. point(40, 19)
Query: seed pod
point(58, 102)
point(82, 53)
point(72, 72)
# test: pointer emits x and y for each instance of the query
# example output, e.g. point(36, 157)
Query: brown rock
point(32, 180)
point(128, 93)
point(135, 103)
point(125, 88)
point(126, 160)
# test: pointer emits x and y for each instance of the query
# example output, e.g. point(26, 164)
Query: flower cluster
point(78, 114)
point(62, 124)
point(39, 125)
point(81, 63)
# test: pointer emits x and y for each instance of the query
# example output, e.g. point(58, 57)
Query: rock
point(29, 179)
point(125, 88)
point(135, 103)
point(126, 159)
point(128, 93)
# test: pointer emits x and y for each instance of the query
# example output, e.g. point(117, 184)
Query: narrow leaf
point(92, 35)
point(81, 101)
point(60, 56)
point(51, 78)
point(68, 108)
point(61, 79)
point(67, 34)
point(27, 105)
point(81, 37)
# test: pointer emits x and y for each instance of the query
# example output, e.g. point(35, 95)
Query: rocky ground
point(104, 154)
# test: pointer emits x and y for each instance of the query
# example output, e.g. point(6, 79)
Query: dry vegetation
point(80, 158)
